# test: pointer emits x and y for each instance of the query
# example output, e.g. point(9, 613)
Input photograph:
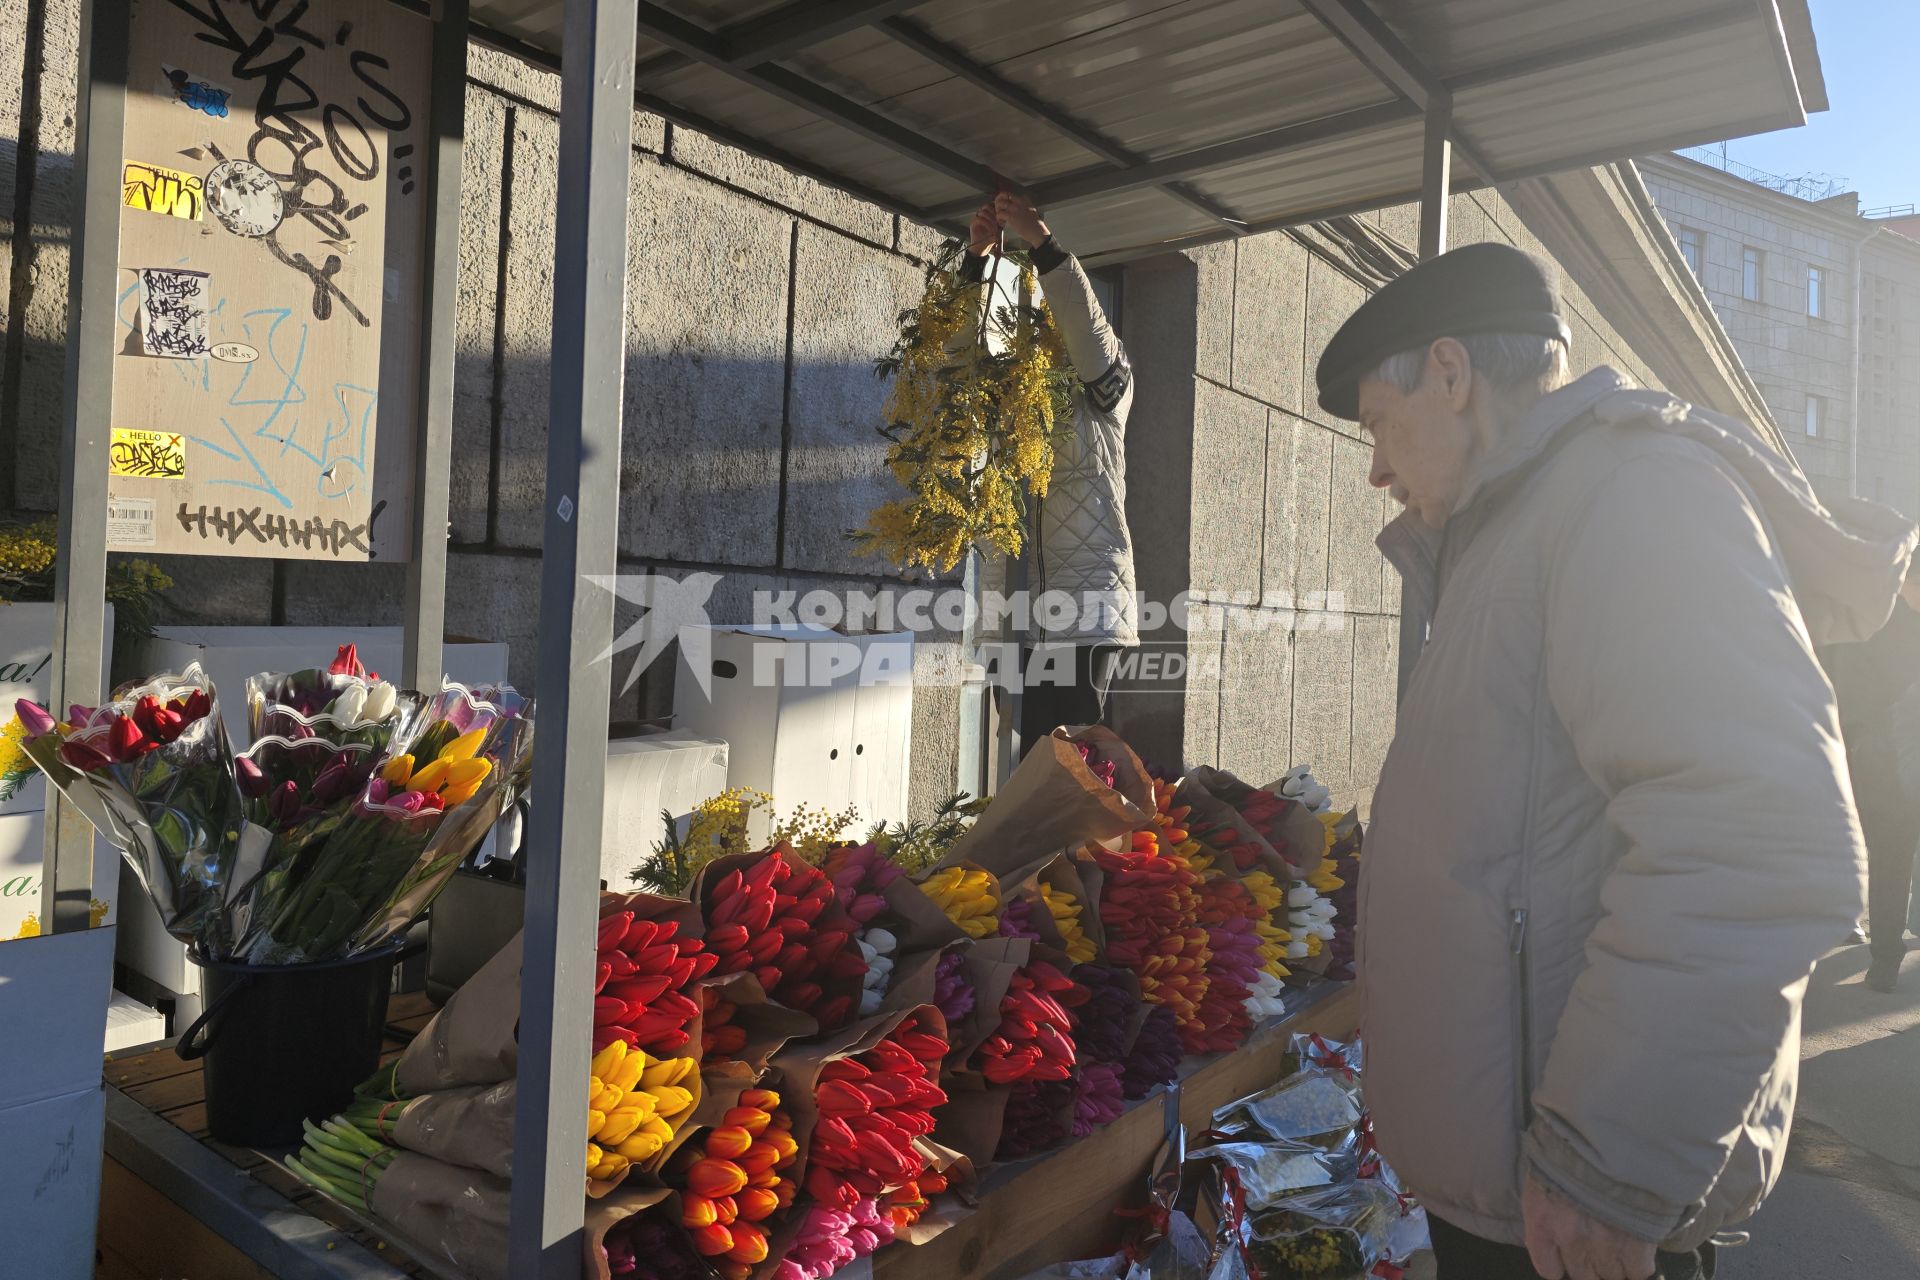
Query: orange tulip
point(729, 1141)
point(716, 1177)
point(712, 1240)
point(697, 1211)
point(749, 1244)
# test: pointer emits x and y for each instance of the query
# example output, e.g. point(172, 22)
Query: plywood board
point(271, 233)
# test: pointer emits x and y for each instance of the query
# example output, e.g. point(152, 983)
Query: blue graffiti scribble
point(331, 483)
point(265, 482)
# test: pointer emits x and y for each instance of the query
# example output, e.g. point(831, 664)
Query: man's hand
point(984, 232)
point(1566, 1244)
point(1017, 214)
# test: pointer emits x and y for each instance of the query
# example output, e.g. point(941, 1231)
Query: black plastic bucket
point(286, 1043)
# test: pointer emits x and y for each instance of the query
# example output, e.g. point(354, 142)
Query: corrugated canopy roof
point(1139, 123)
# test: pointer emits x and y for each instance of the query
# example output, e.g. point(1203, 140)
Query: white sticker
point(130, 522)
point(234, 352)
point(565, 509)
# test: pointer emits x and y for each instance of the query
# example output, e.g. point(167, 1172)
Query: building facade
point(1813, 296)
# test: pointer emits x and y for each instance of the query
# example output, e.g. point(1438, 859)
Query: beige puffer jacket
point(1614, 830)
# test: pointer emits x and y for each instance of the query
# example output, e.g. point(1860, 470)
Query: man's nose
point(1379, 475)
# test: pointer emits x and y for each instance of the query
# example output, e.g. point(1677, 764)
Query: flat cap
point(1478, 288)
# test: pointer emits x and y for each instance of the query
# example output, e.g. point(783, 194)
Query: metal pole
point(1436, 181)
point(433, 431)
point(576, 627)
point(80, 571)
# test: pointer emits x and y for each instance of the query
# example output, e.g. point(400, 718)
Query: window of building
point(1816, 415)
point(1813, 291)
point(1689, 247)
point(1750, 274)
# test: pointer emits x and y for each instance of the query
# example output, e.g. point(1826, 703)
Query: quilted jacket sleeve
point(1680, 667)
point(1098, 357)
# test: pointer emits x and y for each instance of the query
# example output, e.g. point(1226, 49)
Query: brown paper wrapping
point(1130, 776)
point(1213, 809)
point(914, 978)
point(456, 1215)
point(471, 1127)
point(970, 1122)
point(916, 920)
point(991, 964)
point(1301, 841)
point(1052, 802)
point(473, 1039)
point(768, 1025)
point(956, 1203)
point(834, 917)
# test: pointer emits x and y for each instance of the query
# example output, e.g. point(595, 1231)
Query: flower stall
point(931, 1047)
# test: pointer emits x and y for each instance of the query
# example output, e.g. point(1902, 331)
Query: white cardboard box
point(229, 655)
point(809, 715)
point(667, 772)
point(52, 1105)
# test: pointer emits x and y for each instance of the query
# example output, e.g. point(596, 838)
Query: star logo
point(675, 608)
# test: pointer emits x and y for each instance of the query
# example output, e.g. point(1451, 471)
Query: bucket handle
point(185, 1047)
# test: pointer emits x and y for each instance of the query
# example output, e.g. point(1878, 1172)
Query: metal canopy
point(1142, 123)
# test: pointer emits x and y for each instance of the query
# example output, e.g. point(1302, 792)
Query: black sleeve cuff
point(973, 269)
point(1049, 256)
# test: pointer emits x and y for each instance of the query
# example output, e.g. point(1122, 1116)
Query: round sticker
point(234, 353)
point(245, 198)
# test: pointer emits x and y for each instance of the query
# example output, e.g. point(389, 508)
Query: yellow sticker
point(150, 455)
point(154, 189)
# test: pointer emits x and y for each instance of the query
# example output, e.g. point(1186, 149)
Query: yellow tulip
point(620, 1125)
point(609, 1168)
point(669, 1071)
point(429, 776)
point(670, 1100)
point(397, 771)
point(607, 1059)
point(642, 1146)
point(463, 747)
point(626, 1073)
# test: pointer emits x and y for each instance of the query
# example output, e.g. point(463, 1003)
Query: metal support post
point(80, 571)
point(433, 430)
point(576, 629)
point(1436, 180)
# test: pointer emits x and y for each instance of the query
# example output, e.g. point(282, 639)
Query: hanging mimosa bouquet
point(981, 389)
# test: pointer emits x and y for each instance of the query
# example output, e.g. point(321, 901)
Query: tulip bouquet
point(368, 867)
point(1039, 1117)
point(775, 916)
point(1150, 910)
point(829, 1238)
point(1034, 1040)
point(1155, 1056)
point(737, 1180)
point(636, 1104)
point(906, 1205)
point(641, 983)
point(344, 704)
point(969, 896)
point(1105, 1018)
point(1065, 910)
point(872, 1105)
point(861, 874)
point(1232, 920)
point(953, 992)
point(1097, 1099)
point(153, 773)
point(648, 1247)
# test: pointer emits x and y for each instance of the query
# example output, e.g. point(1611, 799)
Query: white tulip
point(867, 953)
point(350, 702)
point(870, 1003)
point(382, 698)
point(1297, 950)
point(883, 940)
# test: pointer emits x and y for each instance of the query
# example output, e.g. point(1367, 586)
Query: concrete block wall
point(1260, 505)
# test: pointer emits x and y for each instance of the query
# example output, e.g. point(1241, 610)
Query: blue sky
point(1867, 52)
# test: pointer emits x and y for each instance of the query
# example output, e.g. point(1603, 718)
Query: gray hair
point(1510, 362)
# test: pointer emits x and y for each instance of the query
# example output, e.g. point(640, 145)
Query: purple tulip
point(253, 782)
point(79, 716)
point(952, 988)
point(410, 802)
point(378, 790)
point(33, 717)
point(1016, 920)
point(1104, 1020)
point(340, 778)
point(283, 806)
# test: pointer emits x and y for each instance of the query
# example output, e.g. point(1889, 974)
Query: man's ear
point(1455, 369)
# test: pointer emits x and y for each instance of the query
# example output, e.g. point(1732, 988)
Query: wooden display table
point(174, 1202)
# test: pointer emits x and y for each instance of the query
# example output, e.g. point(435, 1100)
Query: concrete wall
point(1890, 371)
point(1790, 354)
point(1243, 491)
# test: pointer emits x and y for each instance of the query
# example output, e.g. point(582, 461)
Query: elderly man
point(1614, 831)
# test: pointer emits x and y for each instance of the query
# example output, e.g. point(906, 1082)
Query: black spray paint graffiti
point(174, 304)
point(331, 536)
point(268, 45)
point(147, 459)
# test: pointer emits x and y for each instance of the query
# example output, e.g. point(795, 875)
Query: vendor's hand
point(984, 232)
point(1017, 214)
point(1566, 1244)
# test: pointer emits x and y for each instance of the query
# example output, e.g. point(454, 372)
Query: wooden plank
point(146, 1235)
point(158, 1065)
point(192, 1119)
point(1062, 1207)
point(168, 1092)
point(411, 1010)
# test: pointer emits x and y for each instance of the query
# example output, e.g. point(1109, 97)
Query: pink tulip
point(33, 717)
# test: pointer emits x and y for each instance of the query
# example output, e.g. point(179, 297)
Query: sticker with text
point(130, 522)
point(147, 455)
point(173, 304)
point(153, 188)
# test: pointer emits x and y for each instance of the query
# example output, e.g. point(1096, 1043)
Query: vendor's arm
point(1681, 669)
point(1095, 348)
